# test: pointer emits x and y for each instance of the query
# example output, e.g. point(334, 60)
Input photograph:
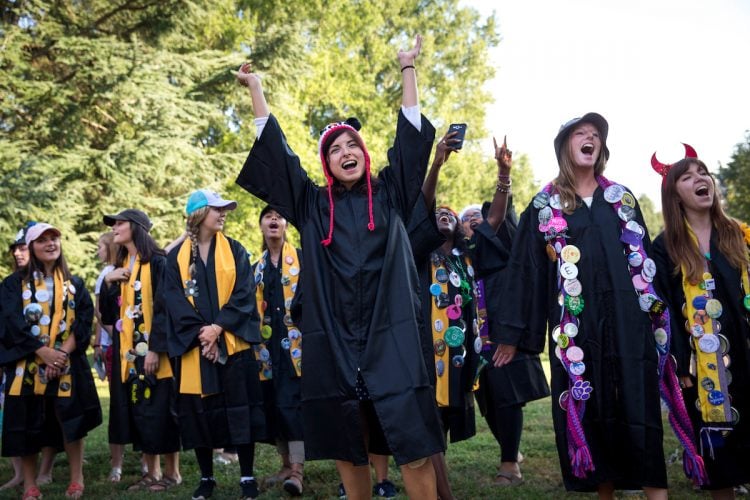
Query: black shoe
point(249, 489)
point(386, 489)
point(342, 492)
point(205, 489)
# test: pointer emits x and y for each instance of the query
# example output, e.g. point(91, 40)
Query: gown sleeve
point(157, 341)
point(240, 314)
point(81, 326)
point(407, 164)
point(423, 232)
point(669, 289)
point(273, 173)
point(185, 320)
point(523, 319)
point(17, 342)
point(108, 308)
point(491, 250)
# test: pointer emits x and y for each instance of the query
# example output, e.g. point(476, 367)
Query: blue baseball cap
point(205, 198)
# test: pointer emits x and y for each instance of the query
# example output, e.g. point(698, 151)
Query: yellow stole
point(226, 275)
point(290, 270)
point(713, 395)
point(58, 324)
point(140, 275)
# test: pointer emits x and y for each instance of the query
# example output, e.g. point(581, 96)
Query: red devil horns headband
point(663, 169)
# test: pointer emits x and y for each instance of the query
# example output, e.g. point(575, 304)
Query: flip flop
point(115, 475)
point(513, 480)
point(75, 490)
point(32, 493)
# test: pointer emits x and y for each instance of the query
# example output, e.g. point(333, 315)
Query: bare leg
point(74, 450)
point(116, 454)
point(655, 493)
point(380, 464)
point(606, 491)
point(356, 479)
point(419, 479)
point(152, 465)
point(17, 474)
point(45, 468)
point(172, 466)
point(28, 466)
point(441, 475)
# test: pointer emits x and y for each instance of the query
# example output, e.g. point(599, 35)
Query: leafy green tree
point(133, 103)
point(734, 181)
point(652, 218)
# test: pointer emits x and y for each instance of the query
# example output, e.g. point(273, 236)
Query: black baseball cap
point(595, 119)
point(132, 215)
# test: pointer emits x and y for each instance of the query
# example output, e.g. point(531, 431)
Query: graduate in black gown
point(210, 295)
point(360, 308)
point(50, 399)
point(280, 355)
point(142, 392)
point(702, 257)
point(503, 391)
point(579, 272)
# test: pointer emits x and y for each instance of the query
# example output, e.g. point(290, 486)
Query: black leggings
point(245, 453)
point(506, 425)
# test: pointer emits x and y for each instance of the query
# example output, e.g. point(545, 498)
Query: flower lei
point(642, 270)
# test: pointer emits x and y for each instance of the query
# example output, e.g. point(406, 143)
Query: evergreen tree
point(734, 181)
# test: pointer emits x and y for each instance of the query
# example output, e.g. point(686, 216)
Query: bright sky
point(660, 71)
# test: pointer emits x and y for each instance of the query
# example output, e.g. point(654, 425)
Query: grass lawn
point(472, 468)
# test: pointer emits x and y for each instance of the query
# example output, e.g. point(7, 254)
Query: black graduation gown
point(282, 394)
point(731, 463)
point(233, 412)
point(149, 423)
point(622, 422)
point(361, 306)
point(33, 422)
point(523, 379)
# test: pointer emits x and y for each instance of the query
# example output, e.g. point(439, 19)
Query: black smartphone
point(460, 128)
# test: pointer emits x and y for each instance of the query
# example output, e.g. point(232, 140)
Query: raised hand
point(445, 147)
point(503, 155)
point(407, 57)
point(246, 77)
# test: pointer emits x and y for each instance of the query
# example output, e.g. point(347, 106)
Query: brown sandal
point(164, 484)
point(293, 484)
point(144, 483)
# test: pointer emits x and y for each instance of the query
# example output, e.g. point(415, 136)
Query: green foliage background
point(735, 181)
point(108, 105)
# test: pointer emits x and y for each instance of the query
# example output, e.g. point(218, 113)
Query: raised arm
point(407, 58)
point(246, 77)
point(443, 150)
point(498, 208)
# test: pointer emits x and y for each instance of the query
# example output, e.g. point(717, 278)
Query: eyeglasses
point(471, 216)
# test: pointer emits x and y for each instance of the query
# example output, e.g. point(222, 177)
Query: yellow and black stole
point(136, 315)
point(226, 276)
point(702, 311)
point(448, 328)
point(290, 270)
point(52, 331)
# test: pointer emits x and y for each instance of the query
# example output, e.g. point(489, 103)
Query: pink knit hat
point(328, 135)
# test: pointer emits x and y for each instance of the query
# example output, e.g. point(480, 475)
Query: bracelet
point(503, 189)
point(96, 345)
point(218, 331)
point(64, 352)
point(503, 177)
point(407, 67)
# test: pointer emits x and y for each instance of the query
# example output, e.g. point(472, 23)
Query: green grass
point(471, 466)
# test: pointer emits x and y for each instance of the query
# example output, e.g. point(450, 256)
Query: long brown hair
point(108, 239)
point(565, 182)
point(680, 245)
point(36, 266)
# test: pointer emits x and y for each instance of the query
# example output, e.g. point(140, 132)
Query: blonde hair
point(108, 239)
point(192, 229)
